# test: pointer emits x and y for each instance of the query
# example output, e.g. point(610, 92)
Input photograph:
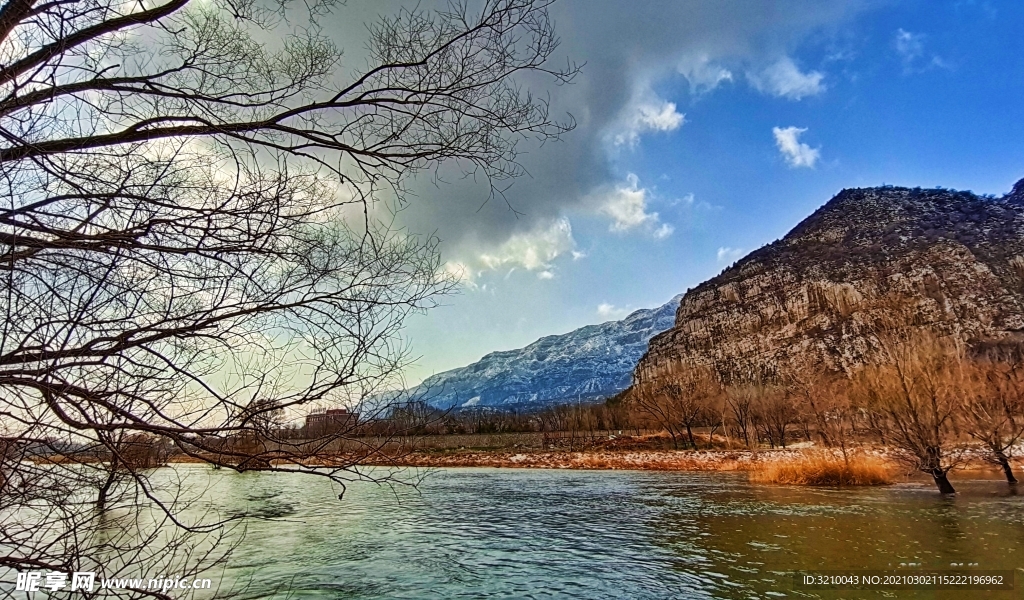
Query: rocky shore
point(648, 460)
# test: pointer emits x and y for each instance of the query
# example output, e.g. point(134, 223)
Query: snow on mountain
point(589, 363)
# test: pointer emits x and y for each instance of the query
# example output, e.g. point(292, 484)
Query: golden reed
point(825, 469)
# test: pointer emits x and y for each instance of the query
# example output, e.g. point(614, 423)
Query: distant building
point(330, 420)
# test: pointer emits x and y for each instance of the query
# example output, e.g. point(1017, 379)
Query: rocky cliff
point(956, 257)
point(589, 363)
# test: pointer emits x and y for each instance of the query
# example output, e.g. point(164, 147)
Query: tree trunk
point(693, 442)
point(945, 487)
point(104, 491)
point(711, 436)
point(1007, 469)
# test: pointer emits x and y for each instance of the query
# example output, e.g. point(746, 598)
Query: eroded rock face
point(957, 257)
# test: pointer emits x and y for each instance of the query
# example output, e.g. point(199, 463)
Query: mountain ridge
point(588, 363)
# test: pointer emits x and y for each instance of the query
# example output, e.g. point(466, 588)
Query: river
point(509, 533)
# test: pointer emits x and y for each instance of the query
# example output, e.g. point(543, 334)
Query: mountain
point(955, 259)
point(589, 363)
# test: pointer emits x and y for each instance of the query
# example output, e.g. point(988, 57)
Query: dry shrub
point(596, 462)
point(825, 469)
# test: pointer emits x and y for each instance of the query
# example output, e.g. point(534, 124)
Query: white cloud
point(785, 80)
point(645, 113)
point(610, 311)
point(578, 254)
point(910, 47)
point(797, 153)
point(532, 250)
point(627, 207)
point(659, 117)
point(729, 255)
point(702, 74)
point(461, 272)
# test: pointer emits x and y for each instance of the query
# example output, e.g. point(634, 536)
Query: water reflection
point(533, 534)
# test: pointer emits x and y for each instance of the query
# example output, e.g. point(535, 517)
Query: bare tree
point(740, 401)
point(189, 246)
point(679, 404)
point(991, 396)
point(909, 388)
point(773, 413)
point(702, 396)
point(822, 399)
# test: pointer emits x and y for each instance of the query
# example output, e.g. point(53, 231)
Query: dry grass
point(826, 469)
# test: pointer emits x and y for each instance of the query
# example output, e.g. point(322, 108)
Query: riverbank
point(560, 458)
point(800, 463)
point(805, 464)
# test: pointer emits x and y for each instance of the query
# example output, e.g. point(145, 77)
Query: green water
point(504, 533)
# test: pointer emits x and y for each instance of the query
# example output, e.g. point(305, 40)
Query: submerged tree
point(991, 396)
point(909, 387)
point(188, 243)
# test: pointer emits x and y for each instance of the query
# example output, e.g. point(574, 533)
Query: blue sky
point(707, 130)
